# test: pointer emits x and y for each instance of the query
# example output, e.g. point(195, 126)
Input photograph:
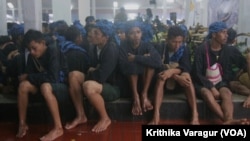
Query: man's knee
point(76, 76)
point(25, 86)
point(46, 88)
point(226, 93)
point(90, 87)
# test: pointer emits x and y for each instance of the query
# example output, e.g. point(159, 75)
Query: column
point(32, 14)
point(93, 8)
point(190, 11)
point(20, 11)
point(61, 10)
point(83, 9)
point(3, 19)
point(204, 13)
point(164, 12)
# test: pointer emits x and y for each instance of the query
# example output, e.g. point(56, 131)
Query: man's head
point(175, 37)
point(217, 31)
point(101, 32)
point(120, 30)
point(73, 34)
point(133, 31)
point(90, 20)
point(16, 32)
point(34, 41)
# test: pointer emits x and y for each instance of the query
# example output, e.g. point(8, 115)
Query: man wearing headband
point(214, 51)
point(138, 61)
point(176, 70)
point(101, 80)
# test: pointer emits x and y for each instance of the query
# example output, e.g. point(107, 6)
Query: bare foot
point(52, 135)
point(246, 103)
point(146, 104)
point(136, 109)
point(195, 119)
point(22, 131)
point(101, 125)
point(243, 121)
point(75, 122)
point(194, 122)
point(155, 120)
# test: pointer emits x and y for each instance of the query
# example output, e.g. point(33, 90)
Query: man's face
point(221, 36)
point(175, 43)
point(121, 34)
point(98, 37)
point(134, 35)
point(37, 48)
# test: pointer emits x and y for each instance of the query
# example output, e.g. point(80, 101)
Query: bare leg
point(237, 87)
point(190, 95)
point(212, 103)
point(25, 87)
point(159, 90)
point(136, 109)
point(246, 103)
point(52, 103)
point(227, 107)
point(76, 80)
point(93, 90)
point(146, 103)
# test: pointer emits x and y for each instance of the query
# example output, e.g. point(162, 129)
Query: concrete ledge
point(174, 106)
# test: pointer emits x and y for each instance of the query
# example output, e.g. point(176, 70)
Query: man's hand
point(164, 75)
point(131, 57)
point(183, 80)
point(215, 92)
point(22, 77)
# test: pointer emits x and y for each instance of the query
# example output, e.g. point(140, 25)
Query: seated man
point(138, 61)
point(100, 85)
point(176, 68)
point(214, 86)
point(78, 63)
point(45, 72)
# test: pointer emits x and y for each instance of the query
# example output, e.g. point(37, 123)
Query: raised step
point(174, 106)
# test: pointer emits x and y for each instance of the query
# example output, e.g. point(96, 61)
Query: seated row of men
point(99, 72)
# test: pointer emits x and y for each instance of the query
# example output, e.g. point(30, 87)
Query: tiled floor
point(117, 131)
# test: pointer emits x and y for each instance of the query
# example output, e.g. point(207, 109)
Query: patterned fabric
point(78, 24)
point(119, 26)
point(178, 54)
point(65, 46)
point(184, 29)
point(215, 27)
point(107, 28)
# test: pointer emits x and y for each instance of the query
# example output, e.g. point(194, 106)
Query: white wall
point(244, 24)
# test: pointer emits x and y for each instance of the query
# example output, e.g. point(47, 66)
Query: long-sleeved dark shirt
point(226, 57)
point(184, 61)
point(105, 64)
point(153, 60)
point(54, 67)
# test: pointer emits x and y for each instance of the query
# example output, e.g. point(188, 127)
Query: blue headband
point(216, 27)
point(184, 29)
point(17, 30)
point(119, 26)
point(89, 19)
point(105, 26)
point(79, 26)
point(147, 30)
